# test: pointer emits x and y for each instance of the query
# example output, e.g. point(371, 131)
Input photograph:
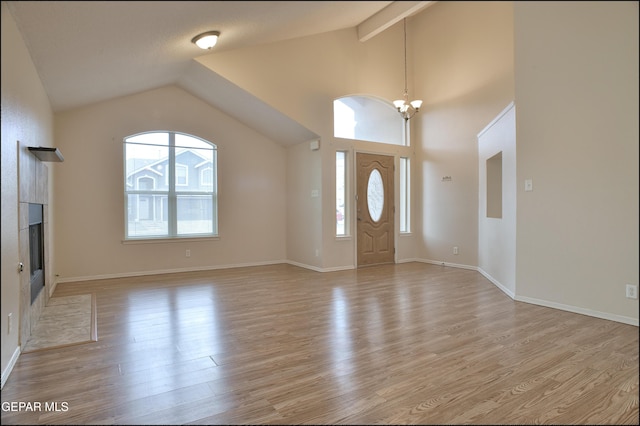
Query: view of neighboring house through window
point(170, 186)
point(182, 175)
point(341, 192)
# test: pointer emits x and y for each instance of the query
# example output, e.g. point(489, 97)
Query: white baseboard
point(497, 283)
point(165, 271)
point(441, 263)
point(207, 268)
point(317, 269)
point(533, 301)
point(578, 310)
point(53, 286)
point(12, 362)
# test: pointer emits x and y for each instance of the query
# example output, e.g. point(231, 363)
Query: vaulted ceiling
point(89, 51)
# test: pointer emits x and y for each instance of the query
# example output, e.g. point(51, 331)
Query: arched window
point(368, 118)
point(163, 197)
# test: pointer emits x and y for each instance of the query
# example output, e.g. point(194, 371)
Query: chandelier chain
point(405, 108)
point(406, 91)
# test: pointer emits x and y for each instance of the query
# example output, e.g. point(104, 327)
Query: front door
point(375, 209)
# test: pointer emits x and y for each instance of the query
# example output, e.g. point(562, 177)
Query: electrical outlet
point(455, 250)
point(187, 253)
point(632, 291)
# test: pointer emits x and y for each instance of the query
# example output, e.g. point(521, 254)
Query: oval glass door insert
point(375, 195)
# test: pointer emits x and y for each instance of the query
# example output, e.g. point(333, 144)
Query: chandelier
point(405, 108)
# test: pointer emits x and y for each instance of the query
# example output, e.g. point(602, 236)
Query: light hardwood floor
point(409, 343)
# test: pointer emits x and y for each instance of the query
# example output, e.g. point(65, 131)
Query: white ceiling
point(88, 51)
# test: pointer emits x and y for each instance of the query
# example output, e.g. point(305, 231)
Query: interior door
point(375, 209)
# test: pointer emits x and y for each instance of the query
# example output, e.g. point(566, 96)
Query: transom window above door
point(368, 118)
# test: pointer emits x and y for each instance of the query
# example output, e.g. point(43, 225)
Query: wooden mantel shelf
point(47, 154)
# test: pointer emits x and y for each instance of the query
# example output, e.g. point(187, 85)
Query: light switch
point(528, 185)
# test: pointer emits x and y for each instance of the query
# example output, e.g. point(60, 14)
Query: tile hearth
point(64, 321)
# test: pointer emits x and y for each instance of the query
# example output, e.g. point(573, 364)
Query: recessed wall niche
point(494, 186)
point(497, 200)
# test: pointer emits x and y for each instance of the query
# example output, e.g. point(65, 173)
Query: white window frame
point(172, 193)
point(405, 195)
point(341, 179)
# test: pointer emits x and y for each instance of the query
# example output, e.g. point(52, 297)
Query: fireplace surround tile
point(23, 219)
point(27, 175)
point(33, 188)
point(25, 285)
point(42, 183)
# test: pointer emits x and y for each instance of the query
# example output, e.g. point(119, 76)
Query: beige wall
point(27, 120)
point(577, 139)
point(497, 235)
point(89, 189)
point(301, 77)
point(304, 230)
point(464, 73)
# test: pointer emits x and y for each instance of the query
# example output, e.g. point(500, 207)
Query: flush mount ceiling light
point(206, 40)
point(405, 108)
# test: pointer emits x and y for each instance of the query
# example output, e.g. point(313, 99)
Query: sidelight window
point(341, 193)
point(405, 195)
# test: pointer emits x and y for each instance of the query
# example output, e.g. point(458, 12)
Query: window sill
point(343, 237)
point(169, 240)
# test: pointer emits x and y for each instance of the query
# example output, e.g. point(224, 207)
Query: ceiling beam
point(395, 12)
